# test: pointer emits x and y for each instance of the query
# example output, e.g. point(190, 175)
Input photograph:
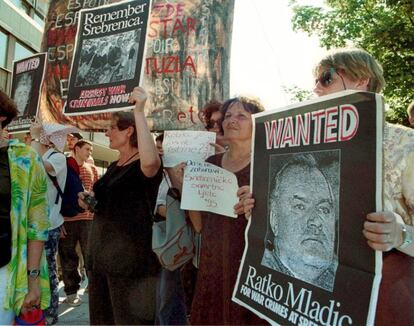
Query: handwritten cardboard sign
point(207, 187)
point(181, 146)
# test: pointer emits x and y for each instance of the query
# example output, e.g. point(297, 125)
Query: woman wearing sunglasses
point(391, 230)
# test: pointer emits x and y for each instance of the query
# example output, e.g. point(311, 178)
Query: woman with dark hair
point(212, 118)
point(122, 268)
point(24, 223)
point(223, 237)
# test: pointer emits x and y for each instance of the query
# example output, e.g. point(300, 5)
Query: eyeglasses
point(326, 78)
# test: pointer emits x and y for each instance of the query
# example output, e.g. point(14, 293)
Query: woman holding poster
point(123, 270)
point(391, 230)
point(223, 237)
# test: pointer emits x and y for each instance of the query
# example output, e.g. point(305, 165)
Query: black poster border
point(125, 86)
point(21, 123)
point(254, 239)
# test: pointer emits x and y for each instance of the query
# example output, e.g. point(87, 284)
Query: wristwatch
point(33, 273)
point(407, 237)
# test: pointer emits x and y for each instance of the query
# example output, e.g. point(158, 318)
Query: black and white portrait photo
point(302, 230)
point(108, 59)
point(22, 92)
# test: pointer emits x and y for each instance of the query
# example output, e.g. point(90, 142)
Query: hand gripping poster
point(186, 64)
point(108, 57)
point(27, 82)
point(316, 173)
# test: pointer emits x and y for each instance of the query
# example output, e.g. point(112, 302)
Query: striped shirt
point(88, 176)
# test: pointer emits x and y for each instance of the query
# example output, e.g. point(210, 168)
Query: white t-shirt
point(58, 161)
point(162, 193)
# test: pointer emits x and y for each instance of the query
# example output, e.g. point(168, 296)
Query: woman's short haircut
point(210, 108)
point(160, 138)
point(249, 104)
point(356, 64)
point(8, 109)
point(124, 120)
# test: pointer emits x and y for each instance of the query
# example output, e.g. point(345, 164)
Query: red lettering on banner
point(169, 64)
point(176, 24)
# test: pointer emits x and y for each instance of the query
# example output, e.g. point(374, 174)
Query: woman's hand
point(382, 231)
point(138, 97)
point(32, 298)
point(246, 202)
point(36, 129)
point(176, 174)
point(218, 148)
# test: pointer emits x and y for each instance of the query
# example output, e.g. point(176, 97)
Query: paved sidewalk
point(74, 315)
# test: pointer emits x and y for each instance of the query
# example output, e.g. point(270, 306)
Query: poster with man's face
point(316, 174)
point(28, 75)
point(302, 231)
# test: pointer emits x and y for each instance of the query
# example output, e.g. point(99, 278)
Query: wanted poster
point(108, 57)
point(316, 173)
point(27, 81)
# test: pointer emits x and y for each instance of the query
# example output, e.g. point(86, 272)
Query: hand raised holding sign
point(139, 98)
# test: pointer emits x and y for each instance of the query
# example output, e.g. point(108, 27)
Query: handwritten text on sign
point(207, 187)
point(181, 146)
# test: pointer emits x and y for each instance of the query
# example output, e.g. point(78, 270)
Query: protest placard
point(186, 63)
point(306, 261)
point(27, 82)
point(183, 145)
point(207, 187)
point(188, 60)
point(108, 57)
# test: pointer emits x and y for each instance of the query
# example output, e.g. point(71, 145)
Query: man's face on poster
point(21, 97)
point(303, 219)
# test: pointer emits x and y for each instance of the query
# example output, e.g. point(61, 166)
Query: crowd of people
point(126, 283)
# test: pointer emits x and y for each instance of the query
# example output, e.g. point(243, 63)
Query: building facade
point(21, 30)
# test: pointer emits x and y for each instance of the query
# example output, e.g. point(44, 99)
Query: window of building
point(21, 52)
point(42, 6)
point(22, 5)
point(3, 49)
point(39, 20)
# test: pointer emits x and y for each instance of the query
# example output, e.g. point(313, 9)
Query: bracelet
point(407, 237)
point(35, 140)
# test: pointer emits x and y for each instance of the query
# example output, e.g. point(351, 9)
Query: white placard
point(207, 187)
point(183, 145)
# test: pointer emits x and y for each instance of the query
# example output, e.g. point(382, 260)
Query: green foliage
point(385, 28)
point(297, 94)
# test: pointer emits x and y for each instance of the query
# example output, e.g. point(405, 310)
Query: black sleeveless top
point(5, 202)
point(121, 232)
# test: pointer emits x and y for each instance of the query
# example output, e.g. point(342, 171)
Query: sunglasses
point(326, 78)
